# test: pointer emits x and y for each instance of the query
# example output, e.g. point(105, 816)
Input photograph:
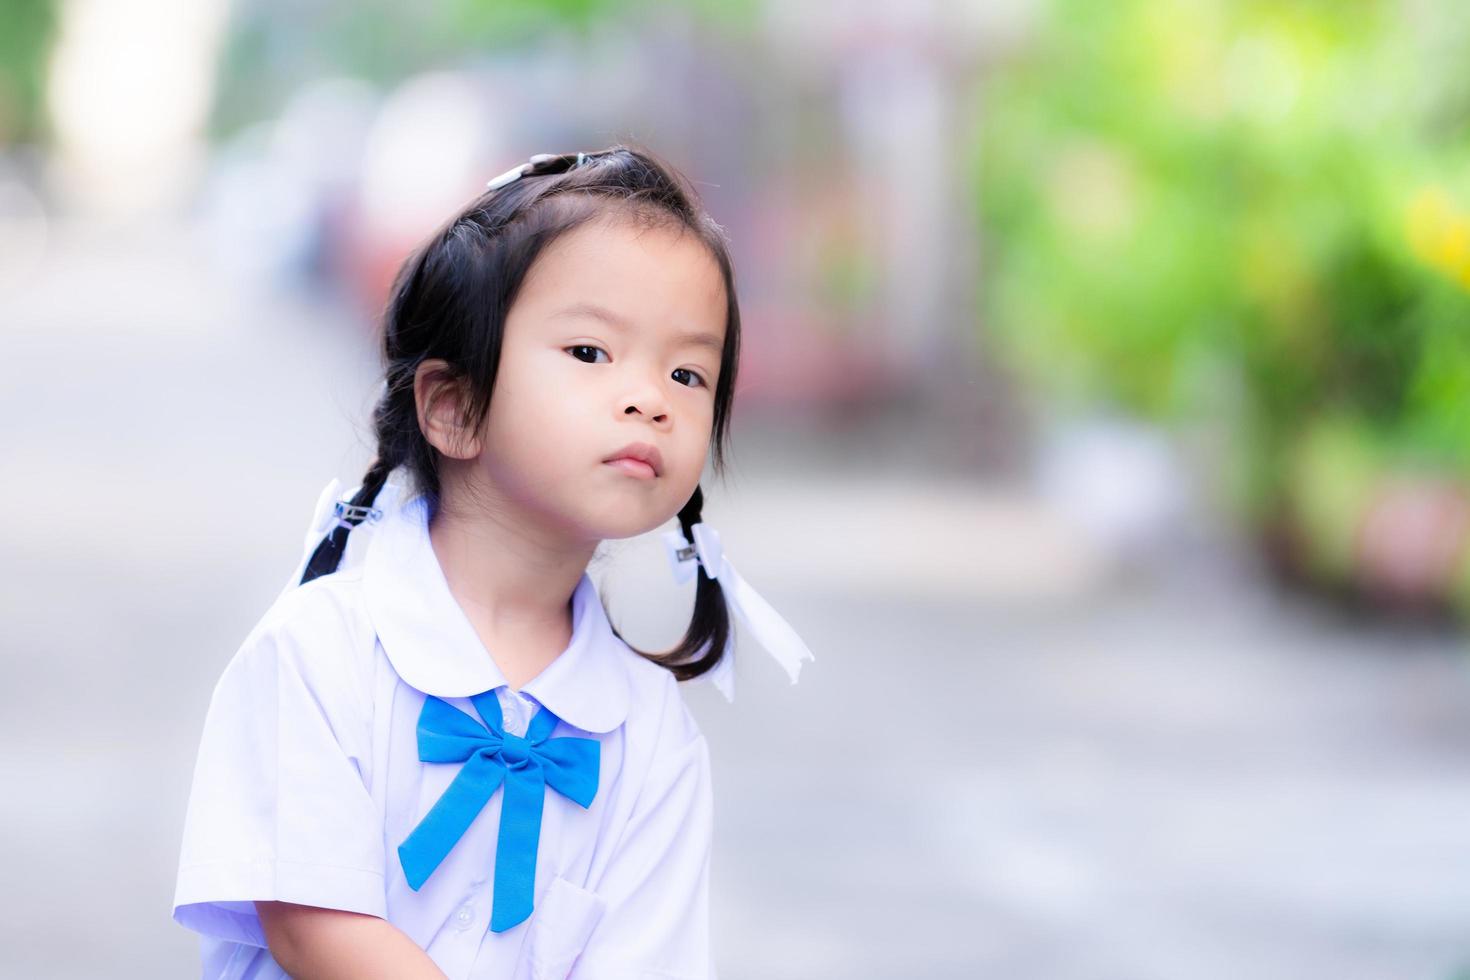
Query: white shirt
point(308, 778)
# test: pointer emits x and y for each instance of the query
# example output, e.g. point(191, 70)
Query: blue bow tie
point(492, 756)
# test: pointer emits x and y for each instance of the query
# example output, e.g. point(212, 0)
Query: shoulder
point(325, 609)
point(659, 720)
point(315, 635)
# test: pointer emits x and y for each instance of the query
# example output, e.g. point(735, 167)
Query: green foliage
point(1273, 187)
point(25, 43)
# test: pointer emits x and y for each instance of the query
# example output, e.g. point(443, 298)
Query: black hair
point(450, 300)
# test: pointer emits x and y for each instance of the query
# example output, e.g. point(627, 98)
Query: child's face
point(573, 389)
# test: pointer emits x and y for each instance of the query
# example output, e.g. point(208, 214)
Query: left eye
point(697, 377)
point(582, 347)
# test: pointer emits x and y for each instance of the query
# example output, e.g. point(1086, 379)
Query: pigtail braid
point(329, 553)
point(709, 625)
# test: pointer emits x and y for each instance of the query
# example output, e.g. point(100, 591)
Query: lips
point(640, 452)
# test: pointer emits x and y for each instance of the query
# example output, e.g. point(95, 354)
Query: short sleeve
point(278, 809)
point(655, 925)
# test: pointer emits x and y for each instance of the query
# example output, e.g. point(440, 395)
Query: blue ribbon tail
point(435, 836)
point(515, 853)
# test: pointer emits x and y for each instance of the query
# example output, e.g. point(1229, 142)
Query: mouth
point(637, 459)
point(633, 467)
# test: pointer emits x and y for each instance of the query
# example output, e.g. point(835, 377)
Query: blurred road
point(1003, 763)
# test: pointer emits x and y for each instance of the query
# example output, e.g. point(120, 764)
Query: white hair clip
point(537, 160)
point(763, 622)
point(333, 508)
point(514, 173)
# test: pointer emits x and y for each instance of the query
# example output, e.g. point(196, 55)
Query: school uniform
point(310, 779)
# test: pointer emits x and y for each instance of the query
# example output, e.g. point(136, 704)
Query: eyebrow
point(694, 338)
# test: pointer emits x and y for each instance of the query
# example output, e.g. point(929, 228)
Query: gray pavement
point(1004, 762)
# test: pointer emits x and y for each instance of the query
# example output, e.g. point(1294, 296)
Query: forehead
point(661, 275)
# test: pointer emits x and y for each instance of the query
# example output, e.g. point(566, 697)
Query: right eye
point(584, 347)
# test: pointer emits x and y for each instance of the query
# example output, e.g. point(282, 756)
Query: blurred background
point(1102, 427)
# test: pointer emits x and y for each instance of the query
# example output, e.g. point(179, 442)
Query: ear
point(438, 395)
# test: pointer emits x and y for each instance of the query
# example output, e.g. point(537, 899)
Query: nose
point(653, 415)
point(650, 400)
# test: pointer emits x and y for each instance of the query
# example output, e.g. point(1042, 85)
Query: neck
point(509, 573)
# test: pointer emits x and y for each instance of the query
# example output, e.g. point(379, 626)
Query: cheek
point(538, 383)
point(532, 409)
point(693, 444)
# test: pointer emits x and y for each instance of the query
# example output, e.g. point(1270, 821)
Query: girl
point(435, 756)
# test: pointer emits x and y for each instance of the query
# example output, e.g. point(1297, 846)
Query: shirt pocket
point(559, 929)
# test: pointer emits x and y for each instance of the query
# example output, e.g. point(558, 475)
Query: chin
point(628, 521)
point(618, 530)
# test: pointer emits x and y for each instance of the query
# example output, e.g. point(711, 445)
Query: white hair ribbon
point(763, 622)
point(321, 518)
point(331, 506)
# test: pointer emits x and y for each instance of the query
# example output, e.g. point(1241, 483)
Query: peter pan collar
point(434, 648)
